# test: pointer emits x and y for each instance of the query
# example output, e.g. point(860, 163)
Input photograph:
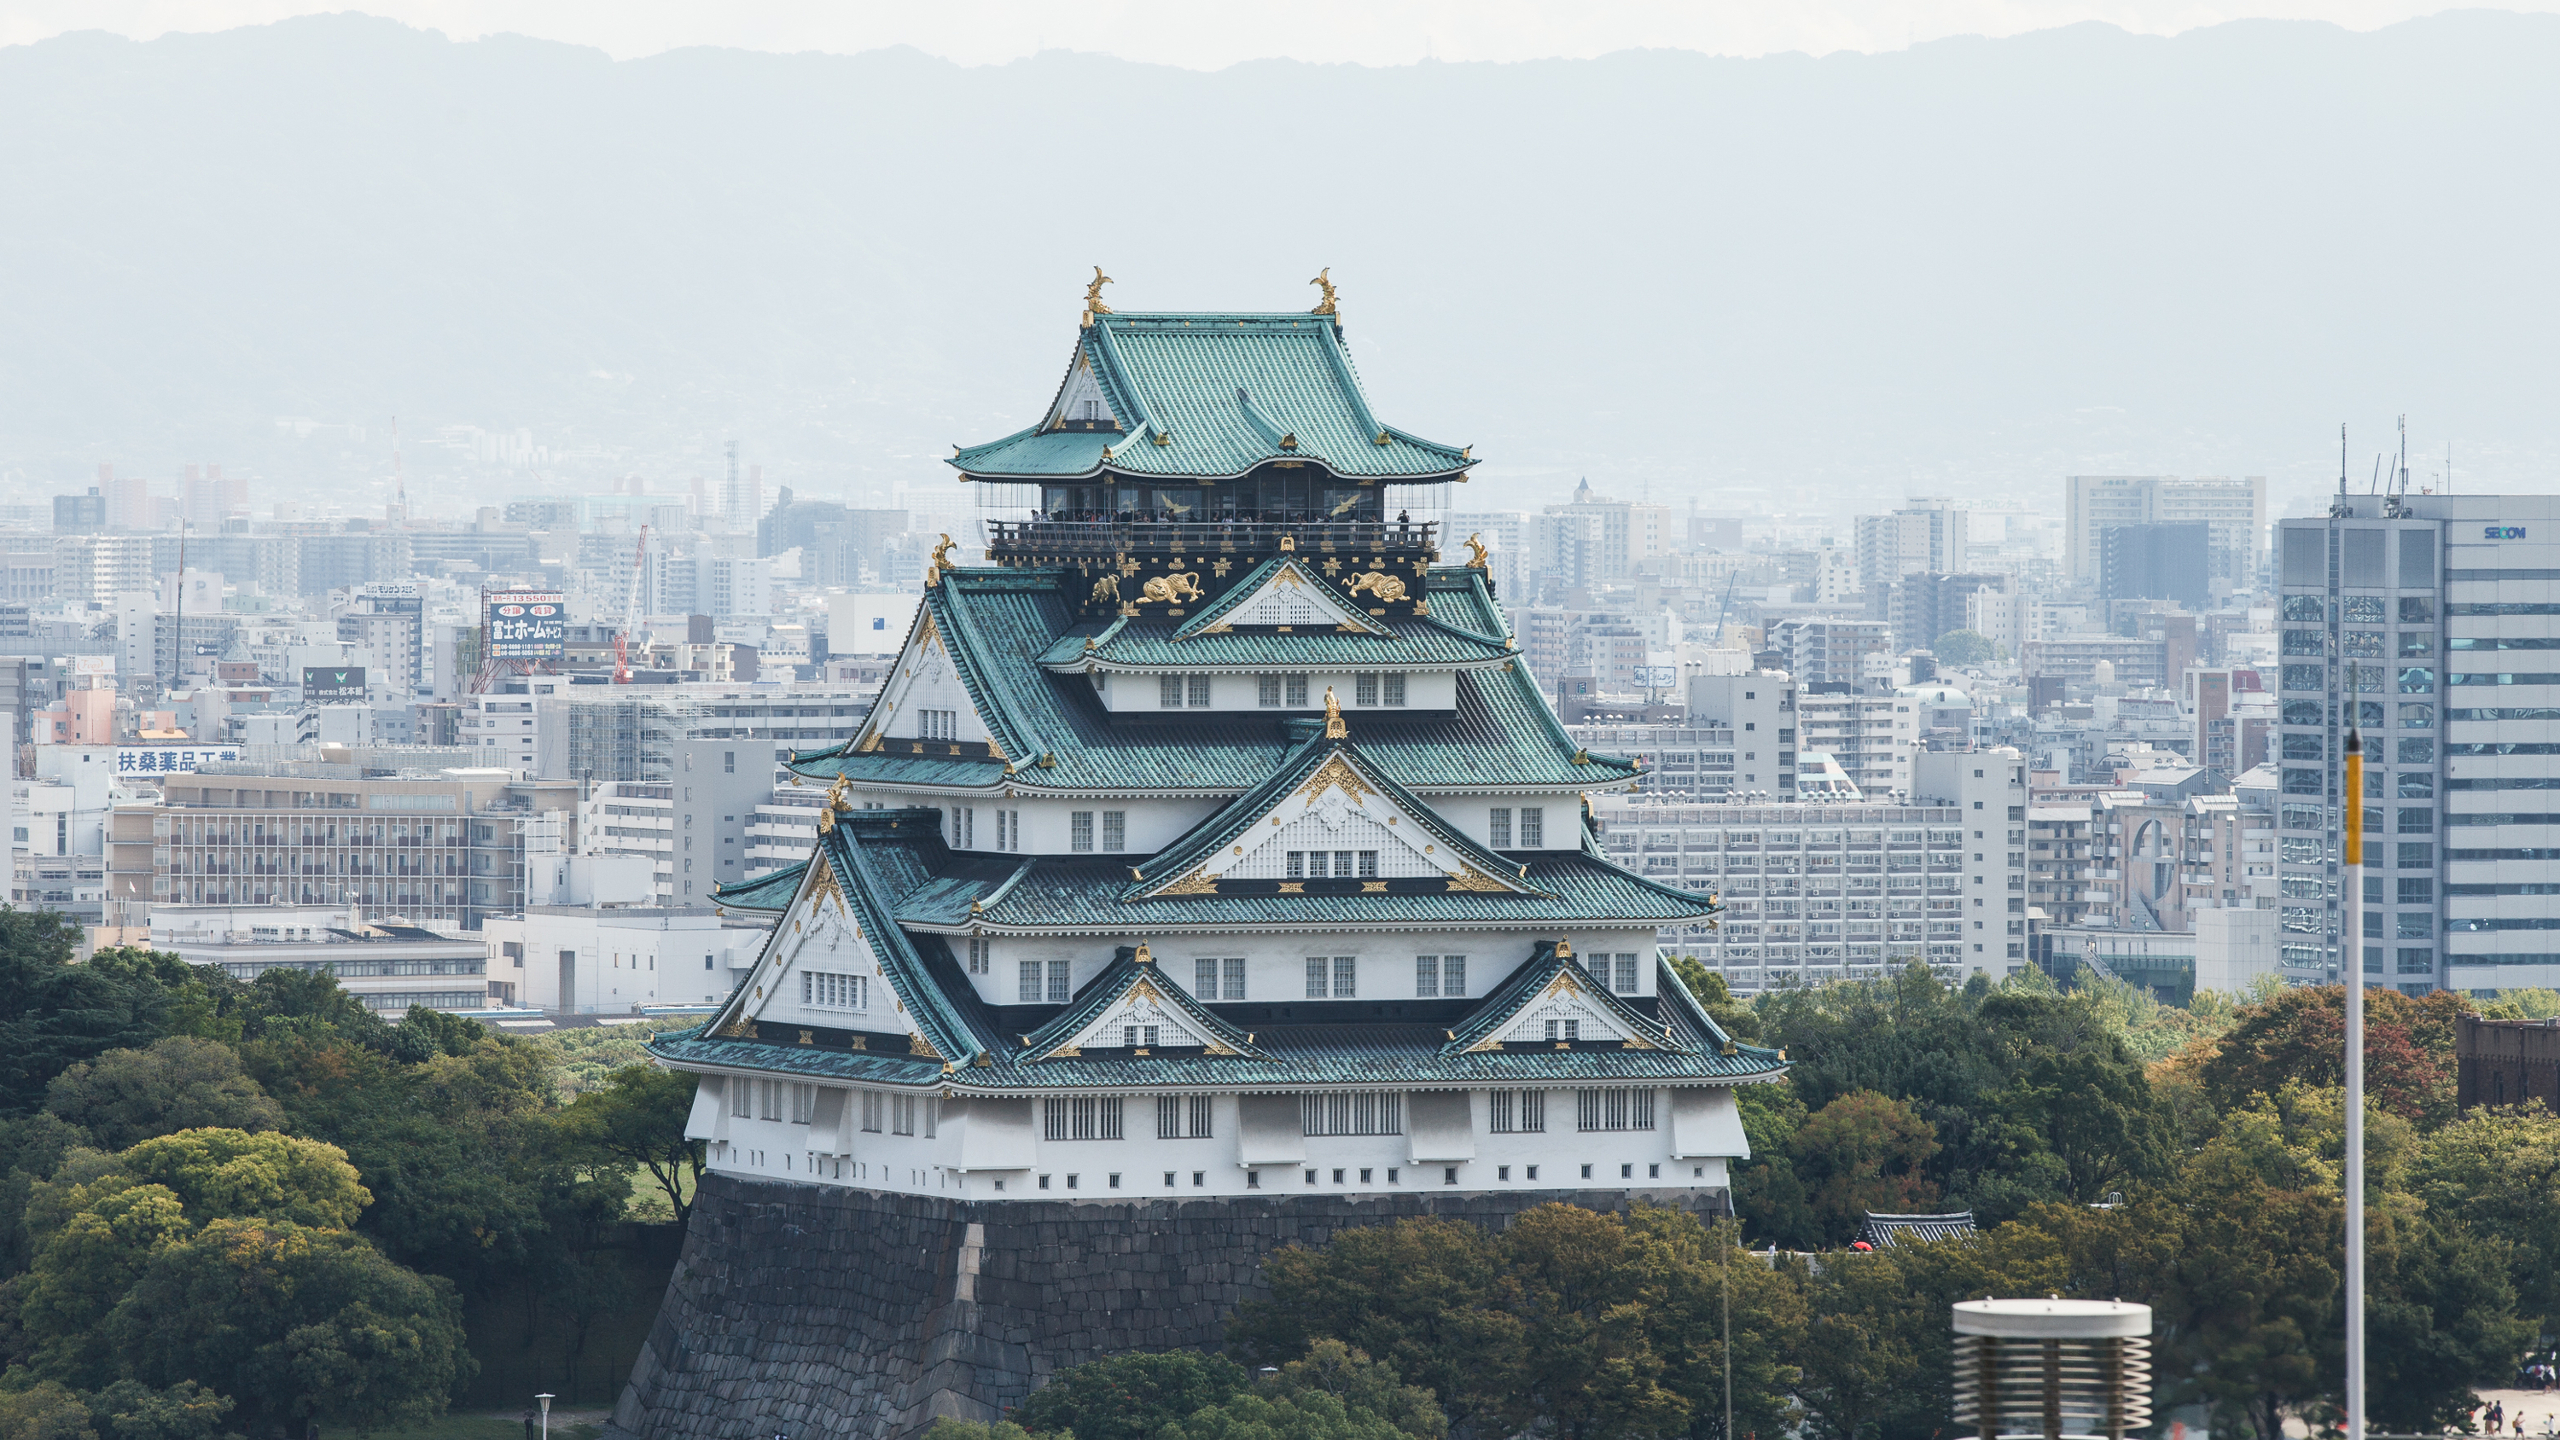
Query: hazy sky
point(1191, 33)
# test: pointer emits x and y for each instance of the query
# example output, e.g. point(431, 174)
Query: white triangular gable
point(1290, 596)
point(1142, 1016)
point(1342, 816)
point(821, 970)
point(1566, 1006)
point(924, 701)
point(1082, 399)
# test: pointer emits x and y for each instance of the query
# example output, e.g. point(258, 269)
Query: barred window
point(1613, 1109)
point(825, 990)
point(1080, 831)
point(1368, 864)
point(1172, 1111)
point(742, 1097)
point(1133, 1036)
point(1297, 687)
point(1346, 977)
point(1115, 830)
point(1058, 978)
point(1499, 829)
point(902, 1115)
point(1316, 976)
point(978, 954)
point(1168, 692)
point(1453, 975)
point(1566, 1030)
point(1519, 1112)
point(1298, 864)
point(1206, 983)
point(1199, 692)
point(769, 1099)
point(1395, 689)
point(804, 1103)
point(1365, 689)
point(1354, 1112)
point(1081, 1117)
point(1267, 689)
point(872, 1108)
point(1032, 985)
point(1626, 975)
point(1426, 976)
point(1533, 827)
point(1235, 978)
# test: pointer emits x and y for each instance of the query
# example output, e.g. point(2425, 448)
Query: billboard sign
point(527, 625)
point(333, 684)
point(1657, 677)
point(169, 759)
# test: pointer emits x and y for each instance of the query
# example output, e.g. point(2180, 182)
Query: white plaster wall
point(1563, 1157)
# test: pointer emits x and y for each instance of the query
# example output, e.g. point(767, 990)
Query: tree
point(1965, 647)
point(231, 1173)
point(1130, 1397)
point(1361, 1383)
point(55, 1014)
point(2300, 1034)
point(1416, 1294)
point(179, 1083)
point(46, 1410)
point(1863, 1152)
point(2499, 1169)
point(131, 1410)
point(2095, 1116)
point(299, 1324)
point(1590, 1367)
point(1312, 1415)
point(638, 1117)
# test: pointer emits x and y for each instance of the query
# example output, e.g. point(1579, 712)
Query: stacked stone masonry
point(830, 1314)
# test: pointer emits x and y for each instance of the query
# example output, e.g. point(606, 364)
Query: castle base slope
point(820, 1313)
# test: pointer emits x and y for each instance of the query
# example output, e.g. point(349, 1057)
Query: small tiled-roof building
point(1885, 1231)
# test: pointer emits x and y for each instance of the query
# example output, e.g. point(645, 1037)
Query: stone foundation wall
point(830, 1314)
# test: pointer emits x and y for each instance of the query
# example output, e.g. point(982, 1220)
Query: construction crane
point(630, 612)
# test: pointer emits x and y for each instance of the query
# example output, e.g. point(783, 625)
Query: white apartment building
point(1817, 892)
point(1505, 534)
point(600, 960)
point(2235, 509)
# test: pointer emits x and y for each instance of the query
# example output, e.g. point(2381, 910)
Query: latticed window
point(824, 990)
point(1081, 1117)
point(1297, 689)
point(1267, 690)
point(1354, 1112)
point(1179, 1117)
point(1533, 827)
point(1115, 830)
point(1613, 1109)
point(1365, 689)
point(1518, 1111)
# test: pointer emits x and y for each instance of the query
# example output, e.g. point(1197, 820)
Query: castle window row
point(1533, 827)
point(1193, 1117)
point(1278, 692)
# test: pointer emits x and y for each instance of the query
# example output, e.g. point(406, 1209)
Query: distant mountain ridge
point(1783, 282)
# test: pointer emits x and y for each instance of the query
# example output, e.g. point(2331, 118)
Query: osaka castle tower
point(1212, 840)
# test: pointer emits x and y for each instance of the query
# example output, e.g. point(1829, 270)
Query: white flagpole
point(2354, 968)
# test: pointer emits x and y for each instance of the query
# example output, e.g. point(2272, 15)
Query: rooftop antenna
point(2339, 509)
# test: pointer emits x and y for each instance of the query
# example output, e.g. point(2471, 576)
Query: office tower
point(2437, 618)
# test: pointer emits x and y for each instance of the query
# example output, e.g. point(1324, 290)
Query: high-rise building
point(93, 570)
point(2235, 511)
point(2157, 562)
point(1927, 535)
point(1822, 651)
point(2422, 621)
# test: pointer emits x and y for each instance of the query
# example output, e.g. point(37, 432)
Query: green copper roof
point(1216, 395)
point(1086, 895)
point(770, 892)
point(999, 622)
point(1215, 613)
point(1125, 973)
point(883, 860)
point(1175, 861)
point(1526, 984)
